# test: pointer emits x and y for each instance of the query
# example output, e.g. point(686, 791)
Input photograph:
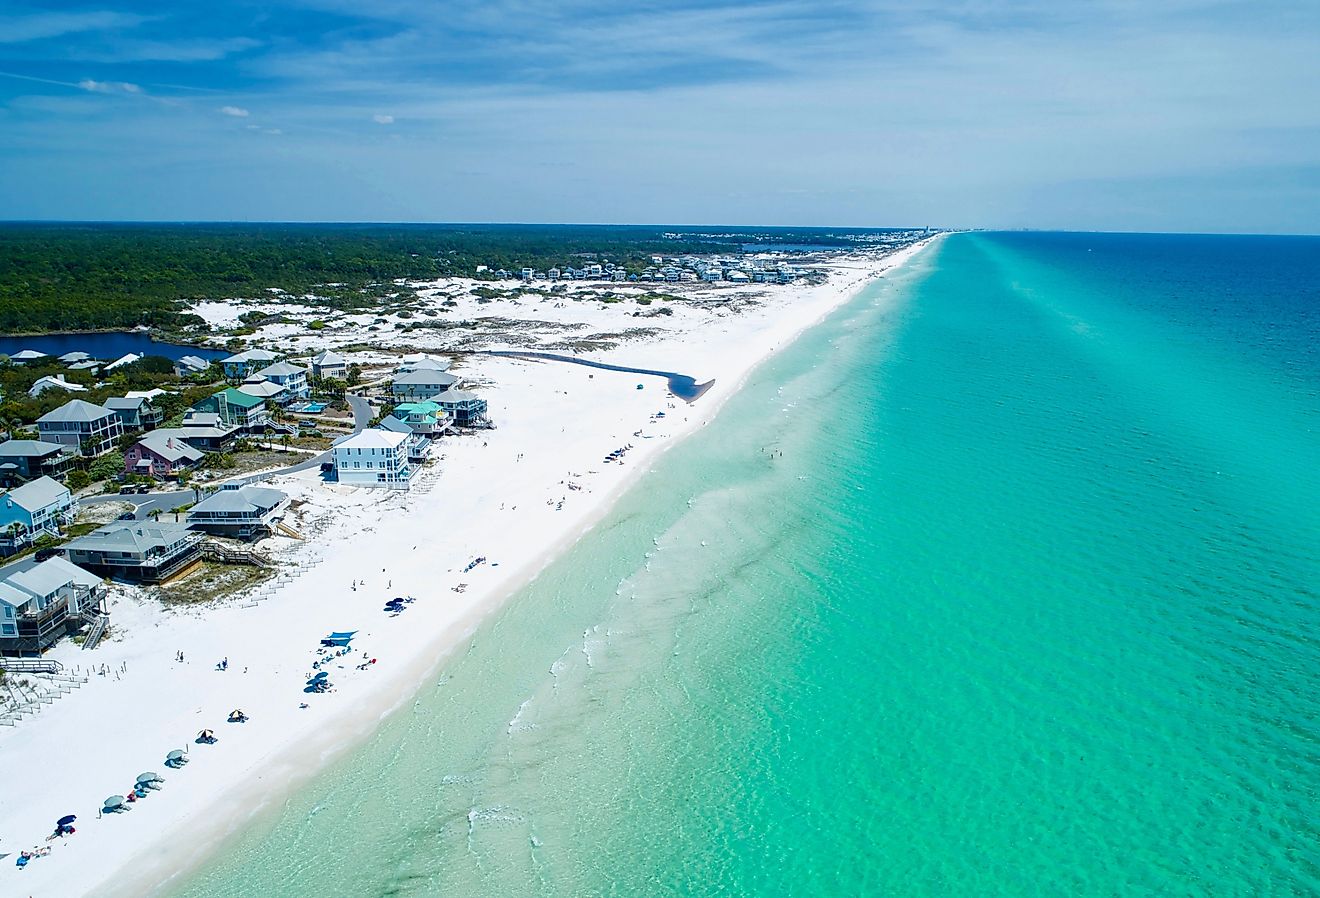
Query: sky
point(1143, 115)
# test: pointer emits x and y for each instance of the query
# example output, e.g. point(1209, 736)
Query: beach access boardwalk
point(683, 386)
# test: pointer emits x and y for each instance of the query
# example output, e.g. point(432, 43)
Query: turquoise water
point(1027, 606)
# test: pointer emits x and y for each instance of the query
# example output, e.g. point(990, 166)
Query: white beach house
point(373, 457)
point(329, 364)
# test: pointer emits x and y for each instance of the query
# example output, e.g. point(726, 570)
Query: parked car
point(127, 516)
point(43, 554)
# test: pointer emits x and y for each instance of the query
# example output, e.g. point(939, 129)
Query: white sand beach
point(516, 495)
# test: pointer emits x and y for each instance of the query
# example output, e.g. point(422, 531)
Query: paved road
point(148, 503)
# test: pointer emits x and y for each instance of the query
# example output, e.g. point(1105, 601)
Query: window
point(9, 630)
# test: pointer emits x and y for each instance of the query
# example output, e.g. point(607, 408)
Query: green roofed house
point(236, 409)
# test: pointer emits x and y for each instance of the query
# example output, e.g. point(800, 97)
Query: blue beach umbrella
point(66, 820)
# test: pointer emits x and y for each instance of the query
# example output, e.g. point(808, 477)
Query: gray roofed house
point(190, 364)
point(136, 412)
point(56, 382)
point(292, 378)
point(327, 363)
point(422, 384)
point(244, 363)
point(70, 357)
point(161, 454)
point(467, 409)
point(23, 356)
point(243, 512)
point(421, 362)
point(41, 603)
point(136, 550)
point(89, 429)
point(262, 388)
point(88, 365)
point(35, 458)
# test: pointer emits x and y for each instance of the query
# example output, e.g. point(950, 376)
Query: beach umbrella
point(174, 755)
point(147, 778)
point(66, 820)
point(114, 801)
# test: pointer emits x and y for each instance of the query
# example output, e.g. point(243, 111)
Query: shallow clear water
point(1027, 606)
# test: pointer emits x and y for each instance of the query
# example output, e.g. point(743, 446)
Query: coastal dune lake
point(1002, 581)
point(104, 345)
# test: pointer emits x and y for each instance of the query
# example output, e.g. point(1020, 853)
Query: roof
point(252, 355)
point(193, 361)
point(281, 369)
point(245, 498)
point(263, 389)
point(456, 396)
point(27, 355)
point(200, 419)
point(242, 400)
point(28, 448)
point(170, 446)
point(75, 411)
point(58, 382)
point(422, 362)
point(127, 403)
point(389, 422)
point(328, 357)
point(130, 536)
point(52, 575)
point(146, 394)
point(197, 431)
point(37, 494)
point(13, 595)
point(85, 366)
point(75, 356)
point(372, 438)
point(421, 407)
point(127, 359)
point(425, 377)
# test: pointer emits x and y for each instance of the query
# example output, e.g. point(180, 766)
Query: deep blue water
point(104, 346)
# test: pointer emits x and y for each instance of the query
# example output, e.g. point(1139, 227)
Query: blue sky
point(1111, 114)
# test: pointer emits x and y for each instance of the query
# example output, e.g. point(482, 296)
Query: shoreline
point(228, 792)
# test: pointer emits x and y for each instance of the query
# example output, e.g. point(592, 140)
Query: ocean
point(1002, 581)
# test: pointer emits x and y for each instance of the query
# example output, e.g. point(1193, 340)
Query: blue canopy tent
point(339, 638)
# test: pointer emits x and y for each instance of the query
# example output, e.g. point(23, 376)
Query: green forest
point(71, 277)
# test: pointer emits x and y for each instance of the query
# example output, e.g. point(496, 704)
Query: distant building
point(28, 459)
point(135, 412)
point(242, 364)
point(328, 364)
point(70, 358)
point(44, 602)
point(43, 507)
point(420, 361)
point(56, 382)
point(23, 356)
point(422, 384)
point(374, 457)
point(202, 430)
point(190, 365)
point(161, 454)
point(292, 378)
point(464, 408)
point(136, 550)
point(123, 361)
point(88, 429)
point(241, 512)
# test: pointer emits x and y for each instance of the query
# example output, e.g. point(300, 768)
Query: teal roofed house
point(423, 417)
point(236, 409)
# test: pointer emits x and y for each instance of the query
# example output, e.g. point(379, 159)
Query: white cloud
point(235, 111)
point(109, 87)
point(383, 119)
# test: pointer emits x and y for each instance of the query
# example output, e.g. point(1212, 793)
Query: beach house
point(42, 507)
point(328, 364)
point(236, 409)
point(464, 409)
point(136, 550)
point(190, 365)
point(161, 454)
point(202, 430)
point(88, 429)
point(240, 365)
point(45, 601)
point(420, 361)
point(239, 511)
point(135, 412)
point(23, 356)
point(292, 378)
point(56, 382)
point(267, 390)
point(28, 459)
point(374, 457)
point(423, 383)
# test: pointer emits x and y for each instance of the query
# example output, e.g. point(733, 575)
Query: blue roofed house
point(45, 601)
point(292, 378)
point(88, 429)
point(41, 507)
